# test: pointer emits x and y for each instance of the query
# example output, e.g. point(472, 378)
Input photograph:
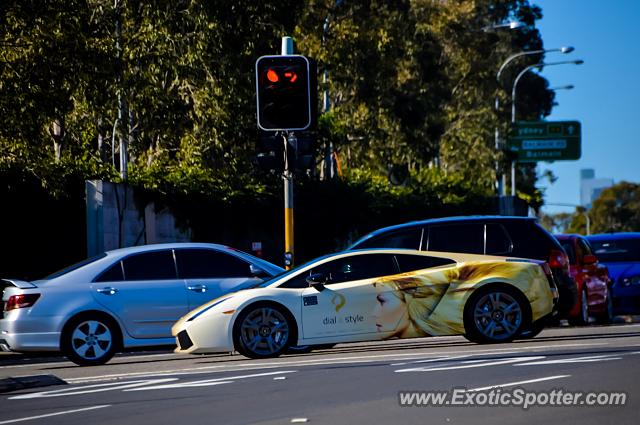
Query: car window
point(157, 265)
point(114, 273)
point(530, 240)
point(208, 263)
point(617, 251)
point(497, 241)
point(350, 268)
point(467, 238)
point(568, 247)
point(407, 238)
point(409, 263)
point(584, 247)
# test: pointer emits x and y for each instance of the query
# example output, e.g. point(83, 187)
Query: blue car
point(620, 252)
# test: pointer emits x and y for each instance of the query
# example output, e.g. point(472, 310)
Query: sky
point(606, 97)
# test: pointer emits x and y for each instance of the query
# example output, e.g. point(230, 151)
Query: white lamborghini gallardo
point(375, 294)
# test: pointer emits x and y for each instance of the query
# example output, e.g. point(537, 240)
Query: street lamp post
point(329, 169)
point(584, 212)
point(513, 105)
point(566, 49)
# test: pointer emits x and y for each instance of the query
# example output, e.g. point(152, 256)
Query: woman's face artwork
point(391, 312)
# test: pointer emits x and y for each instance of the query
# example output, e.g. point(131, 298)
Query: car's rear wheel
point(583, 316)
point(495, 314)
point(607, 315)
point(90, 340)
point(263, 331)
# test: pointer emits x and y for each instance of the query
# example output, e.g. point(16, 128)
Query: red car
point(592, 280)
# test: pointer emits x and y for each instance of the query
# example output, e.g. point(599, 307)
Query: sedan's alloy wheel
point(497, 316)
point(91, 340)
point(264, 331)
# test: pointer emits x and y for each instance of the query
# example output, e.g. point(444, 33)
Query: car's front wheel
point(90, 340)
point(495, 314)
point(263, 331)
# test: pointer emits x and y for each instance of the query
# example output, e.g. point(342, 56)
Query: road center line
point(511, 384)
point(10, 421)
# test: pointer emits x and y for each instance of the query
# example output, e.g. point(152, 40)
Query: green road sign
point(545, 140)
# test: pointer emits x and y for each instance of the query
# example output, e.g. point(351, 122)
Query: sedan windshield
point(617, 251)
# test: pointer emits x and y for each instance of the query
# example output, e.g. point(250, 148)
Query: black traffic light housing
point(286, 93)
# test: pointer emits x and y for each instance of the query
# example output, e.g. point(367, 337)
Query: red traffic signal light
point(284, 94)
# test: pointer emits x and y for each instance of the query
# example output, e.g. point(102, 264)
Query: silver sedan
point(121, 299)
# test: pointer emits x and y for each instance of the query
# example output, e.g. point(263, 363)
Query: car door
point(144, 292)
point(210, 273)
point(347, 303)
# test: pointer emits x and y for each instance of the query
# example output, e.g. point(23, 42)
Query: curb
point(26, 382)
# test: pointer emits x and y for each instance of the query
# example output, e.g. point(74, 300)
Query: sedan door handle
point(197, 288)
point(108, 290)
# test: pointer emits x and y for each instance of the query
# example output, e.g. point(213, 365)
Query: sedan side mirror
point(589, 259)
point(317, 281)
point(257, 271)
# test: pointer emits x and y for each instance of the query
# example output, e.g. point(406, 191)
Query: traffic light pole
point(287, 49)
point(289, 140)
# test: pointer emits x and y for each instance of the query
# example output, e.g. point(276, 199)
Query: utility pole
point(122, 120)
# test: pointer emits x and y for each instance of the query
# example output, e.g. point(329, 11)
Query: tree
point(617, 209)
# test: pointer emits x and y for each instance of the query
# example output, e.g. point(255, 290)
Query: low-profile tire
point(90, 340)
point(496, 314)
point(534, 329)
point(263, 330)
point(583, 316)
point(607, 315)
point(304, 349)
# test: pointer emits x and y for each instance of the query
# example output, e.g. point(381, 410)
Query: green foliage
point(617, 209)
point(409, 82)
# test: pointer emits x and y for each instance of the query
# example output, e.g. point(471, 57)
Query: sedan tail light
point(559, 260)
point(21, 301)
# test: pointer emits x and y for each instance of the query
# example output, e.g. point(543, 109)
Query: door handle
point(108, 290)
point(197, 288)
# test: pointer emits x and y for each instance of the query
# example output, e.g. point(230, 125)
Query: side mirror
point(257, 271)
point(589, 259)
point(317, 281)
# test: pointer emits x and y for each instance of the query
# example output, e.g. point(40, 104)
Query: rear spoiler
point(22, 284)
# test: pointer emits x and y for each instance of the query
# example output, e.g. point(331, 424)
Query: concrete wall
point(115, 221)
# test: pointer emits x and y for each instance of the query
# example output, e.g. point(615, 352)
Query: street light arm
point(527, 69)
point(530, 52)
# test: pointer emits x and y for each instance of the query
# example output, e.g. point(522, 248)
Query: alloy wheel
point(497, 316)
point(264, 331)
point(91, 339)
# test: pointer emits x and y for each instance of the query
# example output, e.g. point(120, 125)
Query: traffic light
point(270, 155)
point(285, 92)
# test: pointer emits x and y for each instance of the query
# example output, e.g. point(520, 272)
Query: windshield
point(74, 267)
point(287, 273)
point(617, 250)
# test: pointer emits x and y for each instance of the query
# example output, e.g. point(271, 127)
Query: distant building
point(591, 187)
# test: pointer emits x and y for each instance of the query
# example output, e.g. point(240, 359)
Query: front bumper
point(204, 335)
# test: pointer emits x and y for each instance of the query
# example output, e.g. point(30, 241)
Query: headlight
point(633, 280)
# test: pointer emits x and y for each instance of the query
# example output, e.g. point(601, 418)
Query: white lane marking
point(208, 382)
point(65, 412)
point(511, 384)
point(487, 362)
point(316, 362)
point(299, 420)
point(584, 359)
point(435, 359)
point(88, 389)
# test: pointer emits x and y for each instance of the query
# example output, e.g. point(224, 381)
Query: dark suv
point(490, 235)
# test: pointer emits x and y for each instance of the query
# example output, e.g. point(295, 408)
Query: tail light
point(559, 260)
point(21, 301)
